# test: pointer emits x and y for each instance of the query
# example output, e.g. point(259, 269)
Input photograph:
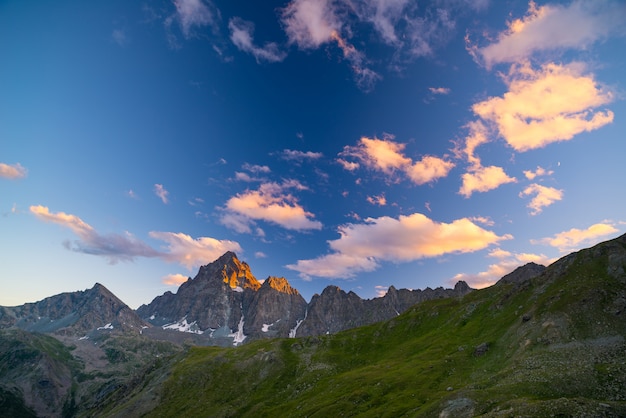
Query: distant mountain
point(226, 304)
point(75, 313)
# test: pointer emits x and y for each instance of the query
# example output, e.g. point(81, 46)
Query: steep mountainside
point(225, 304)
point(551, 344)
point(75, 313)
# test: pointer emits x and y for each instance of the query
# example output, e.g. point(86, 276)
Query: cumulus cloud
point(406, 238)
point(381, 291)
point(254, 168)
point(12, 171)
point(174, 279)
point(575, 238)
point(544, 196)
point(507, 262)
point(181, 248)
point(539, 172)
point(380, 200)
point(546, 105)
point(160, 191)
point(241, 32)
point(271, 203)
point(192, 252)
point(483, 179)
point(387, 156)
point(555, 26)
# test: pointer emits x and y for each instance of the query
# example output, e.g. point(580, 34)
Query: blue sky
point(361, 143)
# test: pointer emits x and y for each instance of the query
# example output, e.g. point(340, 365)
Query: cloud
point(544, 196)
point(348, 165)
point(260, 254)
point(576, 238)
point(119, 37)
point(194, 13)
point(310, 23)
point(181, 248)
point(507, 263)
point(439, 90)
point(377, 200)
point(553, 26)
point(381, 291)
point(160, 191)
point(483, 179)
point(12, 171)
point(189, 252)
point(539, 172)
point(174, 279)
point(241, 35)
point(269, 203)
point(546, 105)
point(254, 168)
point(406, 238)
point(114, 247)
point(295, 155)
point(387, 156)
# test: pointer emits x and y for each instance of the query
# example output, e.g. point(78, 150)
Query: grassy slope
point(566, 356)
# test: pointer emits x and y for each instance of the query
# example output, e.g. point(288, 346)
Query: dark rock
point(481, 349)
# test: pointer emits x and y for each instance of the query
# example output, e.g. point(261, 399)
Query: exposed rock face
point(226, 301)
point(74, 313)
point(335, 310)
point(275, 309)
point(523, 274)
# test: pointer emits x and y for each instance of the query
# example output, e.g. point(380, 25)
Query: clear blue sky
point(361, 143)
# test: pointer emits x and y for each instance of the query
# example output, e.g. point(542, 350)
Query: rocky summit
point(225, 304)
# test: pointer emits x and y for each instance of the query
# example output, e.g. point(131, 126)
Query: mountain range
point(542, 341)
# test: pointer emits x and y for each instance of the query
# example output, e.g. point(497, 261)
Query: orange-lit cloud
point(12, 171)
point(174, 279)
point(539, 172)
point(381, 291)
point(439, 90)
point(189, 252)
point(507, 263)
point(270, 203)
point(181, 248)
point(542, 106)
point(483, 179)
point(406, 238)
point(377, 200)
point(544, 196)
point(576, 25)
point(387, 156)
point(575, 238)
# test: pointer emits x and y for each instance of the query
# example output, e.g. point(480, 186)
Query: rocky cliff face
point(75, 313)
point(225, 303)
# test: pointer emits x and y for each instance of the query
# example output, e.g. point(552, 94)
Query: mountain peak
point(228, 269)
point(280, 284)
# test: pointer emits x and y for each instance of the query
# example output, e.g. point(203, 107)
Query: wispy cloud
point(544, 196)
point(381, 290)
point(362, 246)
point(174, 279)
point(271, 202)
point(575, 238)
point(576, 25)
point(295, 155)
point(439, 90)
point(380, 200)
point(160, 191)
point(256, 169)
point(549, 104)
point(119, 37)
point(181, 248)
point(241, 32)
point(12, 171)
point(387, 156)
point(192, 14)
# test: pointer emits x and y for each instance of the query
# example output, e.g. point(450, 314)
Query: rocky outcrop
point(523, 274)
point(335, 310)
point(74, 313)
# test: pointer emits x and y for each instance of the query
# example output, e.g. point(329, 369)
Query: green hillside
point(551, 346)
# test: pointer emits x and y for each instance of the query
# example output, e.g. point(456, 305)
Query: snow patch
point(184, 326)
point(292, 332)
point(86, 337)
point(238, 336)
point(152, 317)
point(238, 289)
point(107, 326)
